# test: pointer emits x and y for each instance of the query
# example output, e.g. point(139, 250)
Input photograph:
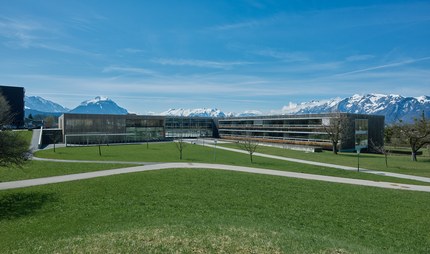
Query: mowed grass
point(26, 134)
point(167, 152)
point(36, 169)
point(396, 163)
point(204, 211)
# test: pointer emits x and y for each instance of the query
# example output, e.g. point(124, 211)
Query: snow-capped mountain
point(37, 103)
point(311, 107)
point(199, 112)
point(393, 107)
point(247, 113)
point(99, 105)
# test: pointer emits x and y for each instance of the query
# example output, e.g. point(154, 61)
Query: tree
point(337, 127)
point(248, 144)
point(416, 135)
point(180, 145)
point(380, 149)
point(5, 115)
point(49, 122)
point(101, 139)
point(13, 147)
point(55, 138)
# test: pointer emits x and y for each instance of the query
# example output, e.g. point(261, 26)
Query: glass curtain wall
point(189, 127)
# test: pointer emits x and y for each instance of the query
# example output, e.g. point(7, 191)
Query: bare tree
point(380, 149)
point(180, 145)
point(101, 139)
point(417, 135)
point(55, 138)
point(248, 144)
point(336, 128)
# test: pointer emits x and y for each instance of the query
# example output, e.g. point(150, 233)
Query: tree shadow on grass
point(16, 205)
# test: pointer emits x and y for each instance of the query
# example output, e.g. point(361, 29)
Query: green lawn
point(396, 163)
point(167, 152)
point(26, 134)
point(36, 169)
point(203, 211)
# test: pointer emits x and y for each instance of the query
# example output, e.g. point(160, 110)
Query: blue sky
point(150, 56)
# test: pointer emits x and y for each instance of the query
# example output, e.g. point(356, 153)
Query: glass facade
point(303, 129)
point(96, 129)
point(361, 133)
point(275, 129)
point(291, 129)
point(189, 127)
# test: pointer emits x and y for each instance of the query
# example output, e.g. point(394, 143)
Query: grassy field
point(36, 169)
point(203, 211)
point(396, 163)
point(167, 152)
point(26, 134)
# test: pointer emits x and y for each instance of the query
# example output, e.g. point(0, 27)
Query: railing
point(39, 143)
point(270, 126)
point(276, 138)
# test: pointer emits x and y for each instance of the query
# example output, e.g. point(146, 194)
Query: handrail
point(39, 144)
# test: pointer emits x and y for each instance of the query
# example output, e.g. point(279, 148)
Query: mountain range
point(393, 107)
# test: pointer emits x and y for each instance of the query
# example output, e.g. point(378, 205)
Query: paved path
point(369, 171)
point(74, 177)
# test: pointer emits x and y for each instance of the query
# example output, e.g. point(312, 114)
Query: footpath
point(210, 143)
point(88, 175)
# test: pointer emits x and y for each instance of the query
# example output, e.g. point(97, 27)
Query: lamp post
point(215, 150)
point(358, 159)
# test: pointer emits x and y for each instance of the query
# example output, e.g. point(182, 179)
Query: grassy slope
point(167, 152)
point(212, 211)
point(396, 163)
point(26, 134)
point(36, 169)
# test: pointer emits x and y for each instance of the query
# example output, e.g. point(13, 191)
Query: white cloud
point(355, 58)
point(199, 63)
point(129, 70)
point(385, 66)
point(282, 55)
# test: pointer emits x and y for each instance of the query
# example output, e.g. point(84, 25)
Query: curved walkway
point(322, 164)
point(74, 177)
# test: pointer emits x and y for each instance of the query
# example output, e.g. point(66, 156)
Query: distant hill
point(99, 105)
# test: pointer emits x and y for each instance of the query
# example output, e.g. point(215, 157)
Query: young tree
point(337, 127)
point(55, 138)
point(248, 144)
point(380, 149)
point(101, 139)
point(180, 145)
point(416, 135)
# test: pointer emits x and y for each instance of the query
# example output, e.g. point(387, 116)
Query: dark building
point(15, 98)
